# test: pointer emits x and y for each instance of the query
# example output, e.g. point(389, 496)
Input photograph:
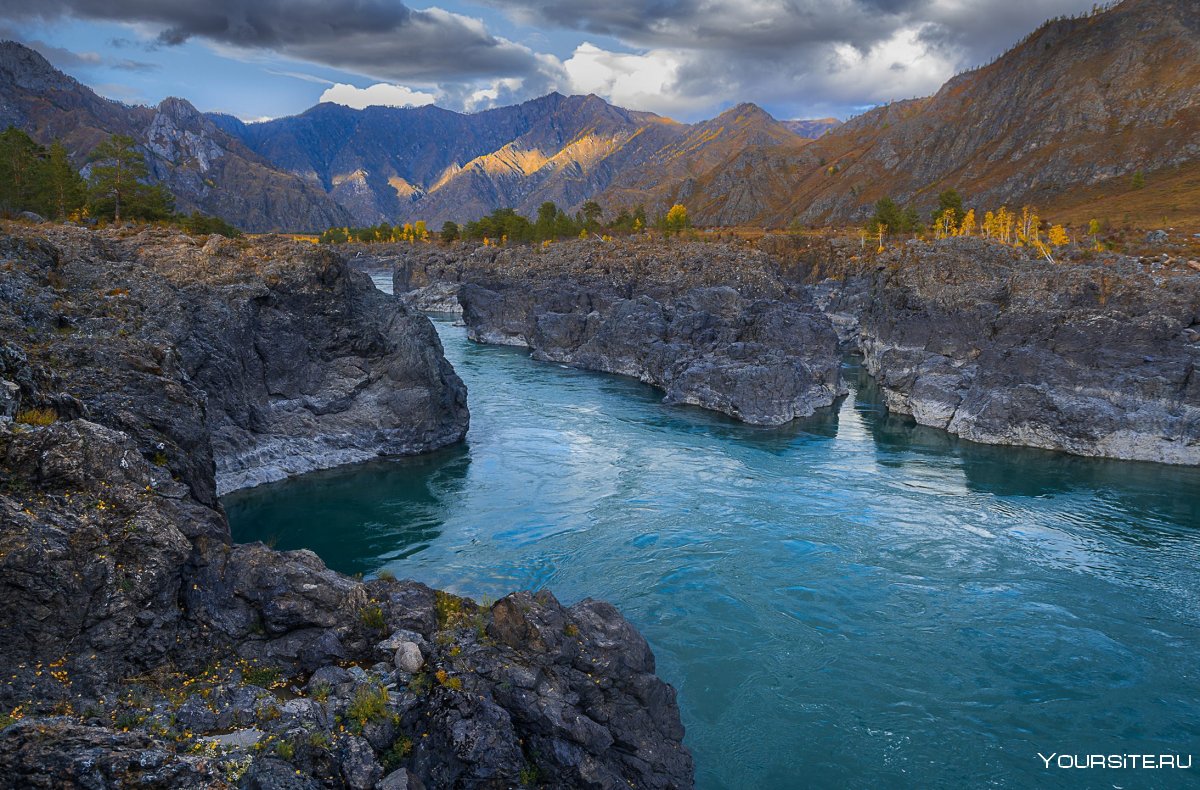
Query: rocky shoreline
point(1094, 356)
point(711, 325)
point(141, 373)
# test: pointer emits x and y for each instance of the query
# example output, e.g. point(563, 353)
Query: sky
point(687, 59)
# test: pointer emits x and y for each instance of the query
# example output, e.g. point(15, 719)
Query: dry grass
point(39, 417)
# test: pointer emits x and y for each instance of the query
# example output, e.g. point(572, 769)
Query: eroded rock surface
point(143, 649)
point(1001, 347)
point(713, 325)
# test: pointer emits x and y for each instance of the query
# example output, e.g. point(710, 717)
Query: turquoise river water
point(849, 601)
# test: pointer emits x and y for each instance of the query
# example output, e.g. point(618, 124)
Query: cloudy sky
point(688, 59)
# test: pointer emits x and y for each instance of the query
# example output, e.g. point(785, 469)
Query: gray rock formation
point(997, 347)
point(304, 364)
point(764, 362)
point(142, 648)
point(713, 325)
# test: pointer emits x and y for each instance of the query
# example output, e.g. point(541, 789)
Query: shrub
point(393, 757)
point(263, 677)
point(41, 417)
point(369, 704)
point(372, 617)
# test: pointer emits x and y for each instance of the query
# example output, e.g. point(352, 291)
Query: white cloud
point(637, 81)
point(900, 67)
point(381, 93)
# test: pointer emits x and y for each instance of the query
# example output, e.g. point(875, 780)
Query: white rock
point(409, 658)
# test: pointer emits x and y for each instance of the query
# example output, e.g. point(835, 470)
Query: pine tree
point(117, 183)
point(951, 201)
point(66, 191)
point(22, 172)
point(591, 211)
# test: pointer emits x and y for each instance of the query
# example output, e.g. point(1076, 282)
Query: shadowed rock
point(142, 648)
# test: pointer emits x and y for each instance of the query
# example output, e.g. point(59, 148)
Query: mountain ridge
point(1063, 110)
point(394, 164)
point(1061, 118)
point(203, 166)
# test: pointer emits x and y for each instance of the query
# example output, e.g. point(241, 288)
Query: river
point(849, 601)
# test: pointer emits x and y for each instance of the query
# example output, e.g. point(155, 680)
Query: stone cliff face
point(144, 649)
point(711, 325)
point(1095, 357)
point(303, 364)
point(997, 347)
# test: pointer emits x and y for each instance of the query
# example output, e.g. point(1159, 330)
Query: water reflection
point(355, 516)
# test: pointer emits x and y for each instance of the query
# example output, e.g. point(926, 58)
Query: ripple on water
point(849, 601)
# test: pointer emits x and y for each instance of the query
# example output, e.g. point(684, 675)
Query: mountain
point(811, 129)
point(388, 164)
point(696, 151)
point(205, 167)
point(1073, 110)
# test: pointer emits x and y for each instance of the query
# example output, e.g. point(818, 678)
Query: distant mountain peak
point(745, 111)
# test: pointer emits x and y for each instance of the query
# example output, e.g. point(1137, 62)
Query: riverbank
point(797, 582)
point(1093, 355)
point(141, 369)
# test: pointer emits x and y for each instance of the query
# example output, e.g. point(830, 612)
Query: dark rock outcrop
point(142, 648)
point(999, 347)
point(303, 365)
point(713, 325)
point(764, 362)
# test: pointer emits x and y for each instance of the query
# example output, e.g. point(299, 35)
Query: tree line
point(42, 180)
point(505, 226)
point(951, 218)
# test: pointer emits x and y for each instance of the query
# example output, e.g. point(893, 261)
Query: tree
point(676, 219)
point(22, 172)
point(1058, 236)
point(967, 228)
point(951, 201)
point(334, 236)
point(449, 231)
point(887, 217)
point(65, 188)
point(1139, 180)
point(945, 226)
point(199, 224)
point(591, 214)
point(117, 187)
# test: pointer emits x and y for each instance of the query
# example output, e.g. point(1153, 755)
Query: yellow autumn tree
point(420, 231)
point(945, 225)
point(1004, 225)
point(677, 219)
point(1028, 228)
point(967, 228)
point(1058, 236)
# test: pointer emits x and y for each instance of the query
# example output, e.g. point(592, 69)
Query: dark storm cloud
point(382, 38)
point(837, 54)
point(764, 28)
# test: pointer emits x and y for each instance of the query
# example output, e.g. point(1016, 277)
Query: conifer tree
point(117, 187)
